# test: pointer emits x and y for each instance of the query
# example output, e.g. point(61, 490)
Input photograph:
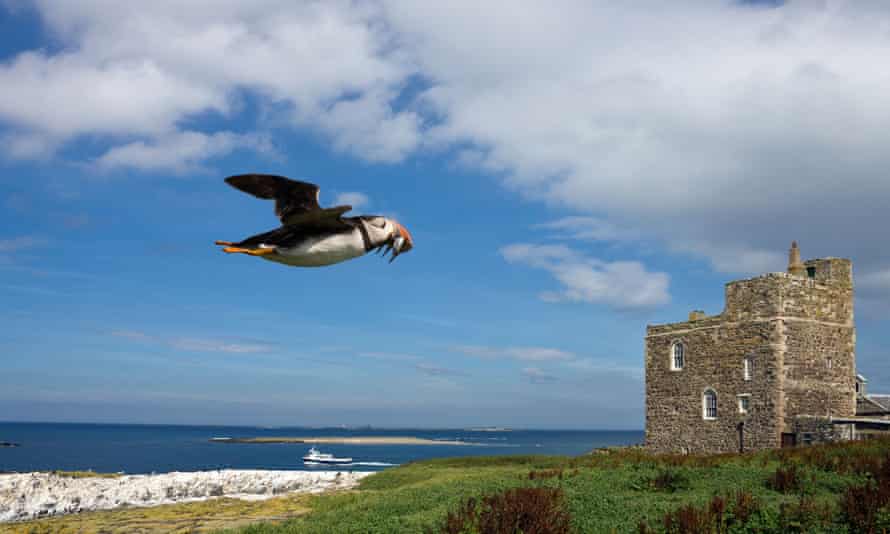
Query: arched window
point(678, 356)
point(709, 404)
point(748, 365)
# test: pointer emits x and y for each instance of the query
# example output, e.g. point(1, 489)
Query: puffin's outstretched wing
point(296, 203)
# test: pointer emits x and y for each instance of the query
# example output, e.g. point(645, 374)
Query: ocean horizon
point(147, 448)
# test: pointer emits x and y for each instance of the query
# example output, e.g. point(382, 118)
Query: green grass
point(608, 492)
point(605, 492)
point(203, 516)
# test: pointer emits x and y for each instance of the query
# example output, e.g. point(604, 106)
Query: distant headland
point(352, 440)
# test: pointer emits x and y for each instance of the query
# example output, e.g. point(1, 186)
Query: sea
point(135, 449)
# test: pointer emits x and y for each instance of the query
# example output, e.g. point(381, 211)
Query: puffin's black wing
point(296, 203)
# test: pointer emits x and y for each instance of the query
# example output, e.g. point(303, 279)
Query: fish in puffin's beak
point(401, 242)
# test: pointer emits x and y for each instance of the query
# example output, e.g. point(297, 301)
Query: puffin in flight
point(312, 236)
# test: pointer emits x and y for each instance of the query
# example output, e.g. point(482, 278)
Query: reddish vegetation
point(526, 510)
point(787, 478)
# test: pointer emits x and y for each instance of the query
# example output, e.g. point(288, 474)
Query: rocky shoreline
point(26, 496)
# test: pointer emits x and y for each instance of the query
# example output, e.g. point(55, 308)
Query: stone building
point(777, 367)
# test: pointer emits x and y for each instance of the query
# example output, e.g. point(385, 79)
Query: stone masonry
point(795, 330)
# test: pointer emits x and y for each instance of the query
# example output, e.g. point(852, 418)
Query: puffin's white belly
point(316, 252)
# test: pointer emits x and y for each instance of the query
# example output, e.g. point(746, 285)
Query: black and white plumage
point(312, 236)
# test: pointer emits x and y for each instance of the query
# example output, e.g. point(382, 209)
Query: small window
point(744, 403)
point(678, 356)
point(857, 386)
point(828, 363)
point(709, 404)
point(811, 272)
point(748, 371)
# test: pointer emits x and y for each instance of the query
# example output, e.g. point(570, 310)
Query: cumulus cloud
point(620, 284)
point(722, 129)
point(181, 151)
point(126, 70)
point(352, 198)
point(532, 354)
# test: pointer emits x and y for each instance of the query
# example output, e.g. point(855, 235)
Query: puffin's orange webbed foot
point(251, 251)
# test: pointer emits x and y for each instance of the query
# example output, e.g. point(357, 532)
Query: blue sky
point(569, 176)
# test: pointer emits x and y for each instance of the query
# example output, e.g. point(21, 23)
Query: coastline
point(357, 440)
point(25, 496)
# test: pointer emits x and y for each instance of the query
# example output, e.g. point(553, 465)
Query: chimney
point(795, 266)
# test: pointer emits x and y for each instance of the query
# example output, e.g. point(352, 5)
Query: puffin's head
point(396, 237)
point(401, 240)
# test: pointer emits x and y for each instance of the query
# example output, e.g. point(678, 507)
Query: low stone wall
point(811, 430)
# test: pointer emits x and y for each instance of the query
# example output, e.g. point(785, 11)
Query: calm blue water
point(159, 448)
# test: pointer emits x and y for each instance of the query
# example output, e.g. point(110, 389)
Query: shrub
point(786, 479)
point(860, 506)
point(689, 520)
point(669, 480)
point(719, 516)
point(744, 507)
point(518, 510)
point(804, 515)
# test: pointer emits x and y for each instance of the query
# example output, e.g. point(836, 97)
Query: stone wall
point(819, 370)
point(714, 360)
point(812, 430)
point(800, 334)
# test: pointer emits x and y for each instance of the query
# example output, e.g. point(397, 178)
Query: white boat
point(316, 457)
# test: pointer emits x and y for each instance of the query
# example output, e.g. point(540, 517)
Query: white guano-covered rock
point(33, 495)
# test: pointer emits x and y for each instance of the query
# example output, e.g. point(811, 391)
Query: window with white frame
point(748, 368)
point(709, 404)
point(678, 356)
point(744, 403)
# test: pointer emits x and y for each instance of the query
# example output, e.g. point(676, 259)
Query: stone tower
point(780, 356)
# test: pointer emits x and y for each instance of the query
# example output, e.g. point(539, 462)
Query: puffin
point(312, 236)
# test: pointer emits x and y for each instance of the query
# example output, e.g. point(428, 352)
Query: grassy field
point(789, 490)
point(204, 516)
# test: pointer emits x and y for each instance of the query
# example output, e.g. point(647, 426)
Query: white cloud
point(352, 198)
point(720, 129)
point(215, 345)
point(197, 344)
point(389, 356)
point(588, 228)
point(713, 127)
point(620, 284)
point(125, 70)
point(515, 353)
point(181, 151)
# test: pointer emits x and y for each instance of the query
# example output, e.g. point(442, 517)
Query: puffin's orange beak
point(408, 242)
